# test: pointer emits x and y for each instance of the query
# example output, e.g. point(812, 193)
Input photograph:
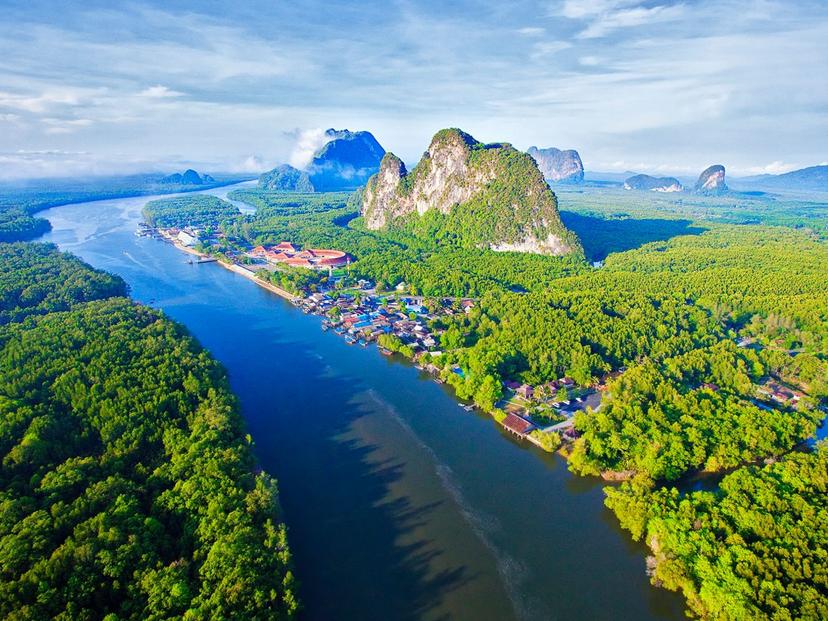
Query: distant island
point(655, 184)
point(188, 177)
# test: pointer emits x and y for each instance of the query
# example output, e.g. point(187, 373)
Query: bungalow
point(525, 391)
point(286, 247)
point(297, 262)
point(186, 239)
point(517, 425)
point(275, 257)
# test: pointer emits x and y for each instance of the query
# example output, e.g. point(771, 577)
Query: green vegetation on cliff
point(469, 194)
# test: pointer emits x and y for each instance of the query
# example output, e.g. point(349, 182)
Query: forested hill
point(476, 195)
point(126, 480)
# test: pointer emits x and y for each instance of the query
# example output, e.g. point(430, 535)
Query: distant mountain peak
point(812, 179)
point(346, 161)
point(286, 178)
point(188, 177)
point(712, 180)
point(559, 166)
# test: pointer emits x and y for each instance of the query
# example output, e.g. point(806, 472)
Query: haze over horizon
point(650, 86)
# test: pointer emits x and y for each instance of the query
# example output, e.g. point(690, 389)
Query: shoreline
point(241, 271)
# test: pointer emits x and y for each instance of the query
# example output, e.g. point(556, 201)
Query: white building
point(186, 239)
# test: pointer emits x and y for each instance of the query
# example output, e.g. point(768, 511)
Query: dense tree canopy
point(126, 482)
point(36, 279)
point(200, 210)
point(757, 548)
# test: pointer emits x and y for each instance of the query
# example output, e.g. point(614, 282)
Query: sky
point(649, 86)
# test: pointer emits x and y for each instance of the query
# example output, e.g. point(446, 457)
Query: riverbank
point(366, 322)
point(238, 269)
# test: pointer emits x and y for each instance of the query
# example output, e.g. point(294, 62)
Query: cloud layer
point(670, 86)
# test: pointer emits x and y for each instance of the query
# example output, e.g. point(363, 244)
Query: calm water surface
point(400, 505)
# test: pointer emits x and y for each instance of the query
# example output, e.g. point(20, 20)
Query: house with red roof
point(285, 247)
point(298, 262)
point(518, 425)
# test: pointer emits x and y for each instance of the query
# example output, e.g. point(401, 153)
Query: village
point(400, 323)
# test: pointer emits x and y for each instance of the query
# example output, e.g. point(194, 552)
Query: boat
point(350, 340)
point(385, 352)
point(363, 342)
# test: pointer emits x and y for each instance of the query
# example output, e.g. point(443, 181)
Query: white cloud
point(548, 48)
point(64, 126)
point(307, 143)
point(627, 18)
point(532, 31)
point(637, 85)
point(159, 91)
point(251, 164)
point(42, 101)
point(580, 9)
point(774, 168)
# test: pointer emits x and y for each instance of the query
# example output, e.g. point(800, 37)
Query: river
point(400, 505)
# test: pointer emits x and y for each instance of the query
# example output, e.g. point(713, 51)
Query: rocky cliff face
point(712, 180)
point(346, 161)
point(655, 184)
point(487, 195)
point(286, 178)
point(559, 166)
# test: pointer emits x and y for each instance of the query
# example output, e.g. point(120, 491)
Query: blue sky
point(653, 86)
